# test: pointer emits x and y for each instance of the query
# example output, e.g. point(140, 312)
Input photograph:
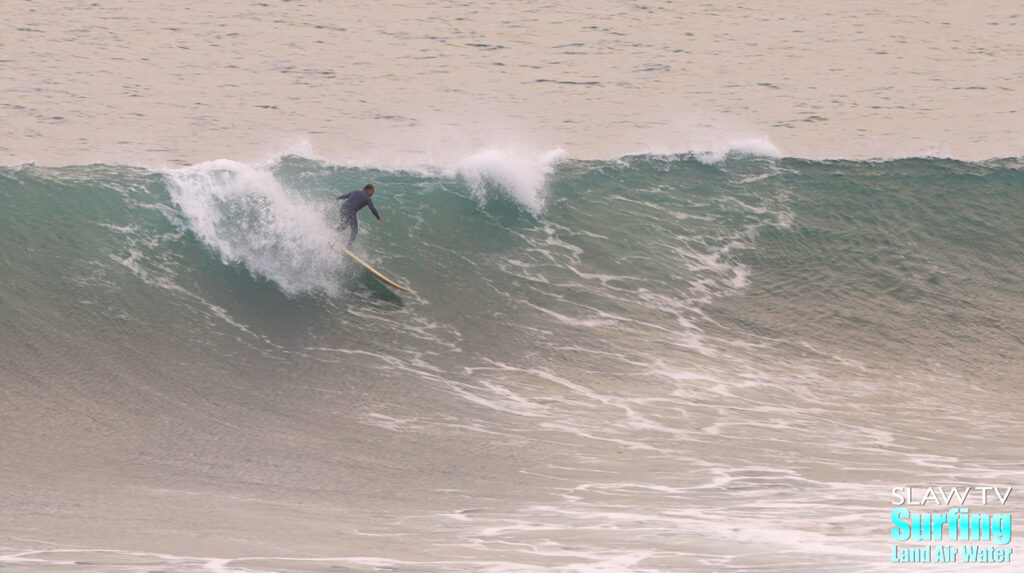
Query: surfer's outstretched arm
point(345, 196)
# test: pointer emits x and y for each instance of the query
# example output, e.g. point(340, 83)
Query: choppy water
point(185, 82)
point(653, 363)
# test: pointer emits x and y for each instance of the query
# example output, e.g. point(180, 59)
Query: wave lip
point(521, 175)
point(247, 216)
point(713, 152)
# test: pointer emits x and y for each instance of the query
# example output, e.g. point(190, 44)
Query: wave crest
point(247, 216)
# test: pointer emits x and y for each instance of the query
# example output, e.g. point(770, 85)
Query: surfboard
point(377, 274)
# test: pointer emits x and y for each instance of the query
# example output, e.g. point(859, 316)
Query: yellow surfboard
point(379, 275)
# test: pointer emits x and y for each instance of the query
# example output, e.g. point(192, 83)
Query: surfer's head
point(368, 188)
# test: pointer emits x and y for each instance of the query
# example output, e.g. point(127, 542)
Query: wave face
point(604, 364)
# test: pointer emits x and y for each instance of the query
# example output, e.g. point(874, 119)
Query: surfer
point(355, 201)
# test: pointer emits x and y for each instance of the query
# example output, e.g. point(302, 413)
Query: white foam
point(756, 146)
point(247, 216)
point(716, 147)
point(522, 175)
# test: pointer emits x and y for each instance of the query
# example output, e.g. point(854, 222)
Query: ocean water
point(186, 82)
point(696, 286)
point(652, 363)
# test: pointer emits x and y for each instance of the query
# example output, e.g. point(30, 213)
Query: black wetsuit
point(354, 201)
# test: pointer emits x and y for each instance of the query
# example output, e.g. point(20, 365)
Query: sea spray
point(246, 216)
point(520, 175)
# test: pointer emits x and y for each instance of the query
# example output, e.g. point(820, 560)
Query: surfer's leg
point(353, 226)
point(348, 221)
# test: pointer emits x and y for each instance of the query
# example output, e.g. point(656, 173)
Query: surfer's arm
point(373, 210)
point(345, 196)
